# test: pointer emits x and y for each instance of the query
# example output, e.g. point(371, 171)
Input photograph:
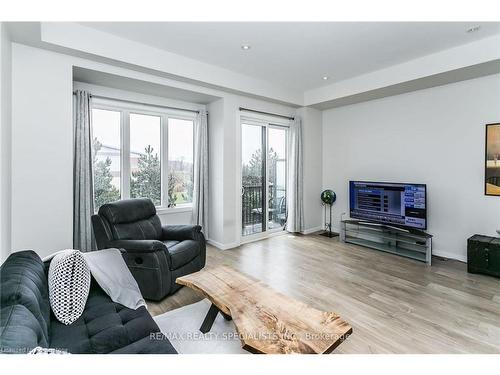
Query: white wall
point(5, 142)
point(313, 162)
point(216, 174)
point(42, 149)
point(434, 136)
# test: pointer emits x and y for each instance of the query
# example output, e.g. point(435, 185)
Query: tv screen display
point(398, 204)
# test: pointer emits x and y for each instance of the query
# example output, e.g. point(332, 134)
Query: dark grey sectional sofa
point(27, 321)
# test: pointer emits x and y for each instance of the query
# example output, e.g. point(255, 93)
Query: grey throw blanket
point(112, 274)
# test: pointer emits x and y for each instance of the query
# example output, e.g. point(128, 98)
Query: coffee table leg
point(210, 318)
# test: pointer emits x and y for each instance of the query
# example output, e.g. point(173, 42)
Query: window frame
point(125, 109)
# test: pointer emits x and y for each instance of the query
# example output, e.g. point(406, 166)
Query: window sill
point(174, 210)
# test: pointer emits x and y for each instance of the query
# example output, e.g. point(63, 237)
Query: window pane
point(145, 166)
point(253, 180)
point(277, 177)
point(180, 161)
point(106, 156)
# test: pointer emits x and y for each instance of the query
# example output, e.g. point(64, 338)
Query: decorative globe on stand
point(328, 197)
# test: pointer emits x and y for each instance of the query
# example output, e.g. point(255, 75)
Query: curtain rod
point(266, 113)
point(142, 103)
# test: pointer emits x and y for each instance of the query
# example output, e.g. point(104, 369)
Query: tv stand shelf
point(414, 244)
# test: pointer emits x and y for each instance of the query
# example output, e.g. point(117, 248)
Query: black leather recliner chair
point(155, 254)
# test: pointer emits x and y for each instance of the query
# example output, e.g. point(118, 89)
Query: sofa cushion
point(19, 331)
point(108, 327)
point(132, 219)
point(24, 302)
point(183, 252)
point(145, 229)
point(170, 243)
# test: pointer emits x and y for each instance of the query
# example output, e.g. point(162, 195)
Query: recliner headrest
point(128, 210)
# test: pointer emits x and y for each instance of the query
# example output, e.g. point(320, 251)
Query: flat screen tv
point(397, 204)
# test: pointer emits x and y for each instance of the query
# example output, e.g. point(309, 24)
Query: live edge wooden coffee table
point(266, 321)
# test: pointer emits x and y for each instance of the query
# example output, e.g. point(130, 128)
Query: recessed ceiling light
point(246, 47)
point(473, 29)
point(325, 78)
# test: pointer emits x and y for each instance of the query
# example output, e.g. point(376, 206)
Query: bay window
point(142, 151)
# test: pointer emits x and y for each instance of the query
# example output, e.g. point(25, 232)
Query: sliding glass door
point(263, 177)
point(253, 179)
point(277, 175)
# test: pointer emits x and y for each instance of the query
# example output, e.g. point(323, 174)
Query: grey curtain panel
point(83, 197)
point(295, 204)
point(200, 189)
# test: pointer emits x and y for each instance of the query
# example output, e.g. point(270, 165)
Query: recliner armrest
point(181, 232)
point(142, 246)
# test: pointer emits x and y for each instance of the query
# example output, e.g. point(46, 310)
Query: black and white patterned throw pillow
point(69, 285)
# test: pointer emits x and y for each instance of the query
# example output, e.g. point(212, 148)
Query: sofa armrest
point(140, 246)
point(182, 232)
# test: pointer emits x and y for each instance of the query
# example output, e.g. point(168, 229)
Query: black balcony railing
point(252, 203)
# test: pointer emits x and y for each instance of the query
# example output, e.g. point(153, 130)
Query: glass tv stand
point(414, 244)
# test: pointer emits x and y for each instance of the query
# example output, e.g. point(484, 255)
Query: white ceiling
point(297, 55)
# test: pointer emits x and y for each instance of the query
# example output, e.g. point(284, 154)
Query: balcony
point(252, 208)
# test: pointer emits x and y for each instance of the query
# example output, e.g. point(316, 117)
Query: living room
point(241, 187)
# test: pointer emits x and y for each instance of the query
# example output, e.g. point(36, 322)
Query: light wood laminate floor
point(394, 304)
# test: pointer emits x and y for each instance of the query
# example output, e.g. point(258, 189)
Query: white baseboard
point(263, 236)
point(228, 246)
point(222, 246)
point(311, 230)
